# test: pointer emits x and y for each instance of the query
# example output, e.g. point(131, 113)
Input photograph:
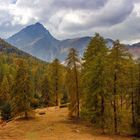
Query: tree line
point(102, 88)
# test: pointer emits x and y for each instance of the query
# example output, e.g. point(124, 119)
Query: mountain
point(10, 54)
point(78, 43)
point(9, 49)
point(134, 49)
point(37, 41)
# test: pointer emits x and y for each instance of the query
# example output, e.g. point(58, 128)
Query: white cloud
point(67, 18)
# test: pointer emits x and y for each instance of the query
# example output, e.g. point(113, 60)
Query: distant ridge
point(37, 40)
point(9, 49)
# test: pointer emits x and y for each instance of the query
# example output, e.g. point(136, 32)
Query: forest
point(101, 88)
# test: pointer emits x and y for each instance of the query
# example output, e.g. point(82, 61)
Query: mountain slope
point(12, 52)
point(9, 49)
point(77, 43)
point(37, 41)
point(135, 49)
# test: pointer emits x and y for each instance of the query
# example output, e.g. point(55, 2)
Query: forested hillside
point(23, 82)
point(102, 88)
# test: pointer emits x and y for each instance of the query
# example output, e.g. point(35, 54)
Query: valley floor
point(54, 125)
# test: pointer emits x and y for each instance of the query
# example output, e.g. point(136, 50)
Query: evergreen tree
point(118, 59)
point(22, 90)
point(94, 77)
point(55, 80)
point(137, 103)
point(73, 64)
point(131, 88)
point(5, 92)
point(5, 89)
point(6, 112)
point(45, 91)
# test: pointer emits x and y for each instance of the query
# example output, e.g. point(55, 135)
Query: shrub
point(6, 111)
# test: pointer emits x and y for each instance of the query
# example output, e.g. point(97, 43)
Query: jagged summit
point(38, 24)
point(36, 40)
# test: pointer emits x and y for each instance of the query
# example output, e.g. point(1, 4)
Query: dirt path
point(54, 125)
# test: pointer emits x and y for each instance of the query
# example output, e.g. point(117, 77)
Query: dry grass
point(53, 125)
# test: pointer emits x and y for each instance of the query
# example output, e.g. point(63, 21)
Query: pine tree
point(22, 90)
point(119, 57)
point(5, 89)
point(94, 77)
point(73, 64)
point(137, 103)
point(131, 88)
point(55, 80)
point(45, 91)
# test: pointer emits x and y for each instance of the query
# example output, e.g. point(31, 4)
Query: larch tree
point(22, 94)
point(137, 102)
point(55, 80)
point(94, 77)
point(5, 89)
point(131, 88)
point(45, 91)
point(73, 65)
point(118, 59)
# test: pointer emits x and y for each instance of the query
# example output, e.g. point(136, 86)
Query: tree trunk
point(56, 87)
point(115, 105)
point(26, 115)
point(102, 111)
point(132, 98)
point(138, 107)
point(132, 109)
point(77, 89)
point(121, 101)
point(56, 96)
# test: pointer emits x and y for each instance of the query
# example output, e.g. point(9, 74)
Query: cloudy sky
point(117, 19)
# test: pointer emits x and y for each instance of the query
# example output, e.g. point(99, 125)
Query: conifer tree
point(137, 103)
point(45, 91)
point(22, 90)
point(55, 80)
point(118, 59)
point(73, 64)
point(131, 88)
point(94, 77)
point(5, 89)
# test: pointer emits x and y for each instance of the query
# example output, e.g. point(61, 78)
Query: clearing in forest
point(54, 125)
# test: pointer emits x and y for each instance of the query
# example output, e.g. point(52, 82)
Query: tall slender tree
point(45, 91)
point(22, 90)
point(119, 57)
point(5, 89)
point(95, 80)
point(55, 80)
point(137, 103)
point(73, 63)
point(131, 88)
